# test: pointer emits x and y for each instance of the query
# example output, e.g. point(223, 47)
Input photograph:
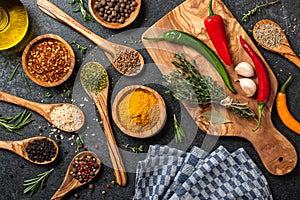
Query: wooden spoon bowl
point(72, 124)
point(114, 25)
point(283, 49)
point(38, 40)
point(19, 147)
point(143, 132)
point(69, 183)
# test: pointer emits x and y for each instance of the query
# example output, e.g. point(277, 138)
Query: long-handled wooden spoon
point(19, 147)
point(69, 183)
point(116, 53)
point(284, 48)
point(51, 112)
point(94, 80)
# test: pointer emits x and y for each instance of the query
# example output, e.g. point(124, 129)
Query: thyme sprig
point(15, 123)
point(178, 131)
point(256, 8)
point(86, 15)
point(33, 185)
point(188, 85)
point(81, 48)
point(134, 149)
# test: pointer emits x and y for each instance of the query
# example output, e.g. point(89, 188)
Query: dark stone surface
point(15, 169)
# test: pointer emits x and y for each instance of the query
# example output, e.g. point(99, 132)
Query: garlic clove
point(245, 69)
point(248, 86)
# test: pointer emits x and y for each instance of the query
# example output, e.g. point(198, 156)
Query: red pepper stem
point(282, 89)
point(211, 12)
point(261, 105)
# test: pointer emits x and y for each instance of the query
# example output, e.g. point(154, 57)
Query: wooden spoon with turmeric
point(94, 80)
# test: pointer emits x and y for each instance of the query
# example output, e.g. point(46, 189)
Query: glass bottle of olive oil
point(13, 23)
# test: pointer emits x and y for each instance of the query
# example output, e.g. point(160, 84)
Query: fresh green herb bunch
point(256, 8)
point(187, 84)
point(33, 185)
point(134, 149)
point(94, 77)
point(15, 123)
point(178, 131)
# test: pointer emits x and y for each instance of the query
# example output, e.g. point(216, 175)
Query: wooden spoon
point(100, 100)
point(114, 52)
point(19, 147)
point(283, 49)
point(46, 110)
point(69, 183)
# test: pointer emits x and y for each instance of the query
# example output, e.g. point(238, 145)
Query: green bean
point(183, 38)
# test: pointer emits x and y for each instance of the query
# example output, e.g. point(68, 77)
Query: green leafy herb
point(48, 95)
point(33, 185)
point(130, 38)
point(134, 149)
point(179, 133)
point(82, 49)
point(188, 85)
point(86, 15)
point(79, 141)
point(14, 72)
point(256, 8)
point(26, 83)
point(15, 123)
point(68, 91)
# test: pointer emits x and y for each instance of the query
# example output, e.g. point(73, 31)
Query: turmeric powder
point(139, 110)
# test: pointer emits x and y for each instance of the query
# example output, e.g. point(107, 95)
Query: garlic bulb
point(248, 86)
point(244, 69)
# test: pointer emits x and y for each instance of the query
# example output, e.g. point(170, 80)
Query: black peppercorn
point(41, 150)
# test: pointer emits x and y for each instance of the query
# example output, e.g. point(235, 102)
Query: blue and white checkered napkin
point(168, 173)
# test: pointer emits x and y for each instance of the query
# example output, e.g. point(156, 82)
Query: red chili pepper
point(216, 30)
point(264, 87)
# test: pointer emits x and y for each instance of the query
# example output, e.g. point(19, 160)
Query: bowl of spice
point(48, 60)
point(115, 14)
point(139, 111)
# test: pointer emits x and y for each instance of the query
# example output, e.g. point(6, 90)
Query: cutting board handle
point(276, 153)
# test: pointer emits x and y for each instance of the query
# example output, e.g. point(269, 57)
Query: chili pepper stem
point(161, 37)
point(261, 105)
point(282, 89)
point(211, 12)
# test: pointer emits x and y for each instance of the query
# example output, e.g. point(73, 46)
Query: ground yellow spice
point(139, 110)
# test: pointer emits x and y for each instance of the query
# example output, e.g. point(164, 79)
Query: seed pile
point(269, 35)
point(115, 10)
point(84, 168)
point(49, 61)
point(66, 117)
point(41, 150)
point(127, 61)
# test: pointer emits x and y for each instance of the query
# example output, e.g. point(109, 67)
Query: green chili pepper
point(183, 38)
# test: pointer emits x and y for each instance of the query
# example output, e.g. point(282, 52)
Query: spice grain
point(127, 61)
point(41, 150)
point(269, 35)
point(49, 61)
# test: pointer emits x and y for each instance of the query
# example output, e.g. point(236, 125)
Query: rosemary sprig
point(33, 185)
point(26, 83)
point(14, 72)
point(256, 8)
point(82, 49)
point(178, 131)
point(86, 15)
point(134, 149)
point(188, 85)
point(15, 123)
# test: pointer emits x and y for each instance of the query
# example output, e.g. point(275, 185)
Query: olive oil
point(13, 23)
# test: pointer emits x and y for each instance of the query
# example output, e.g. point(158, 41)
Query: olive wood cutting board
point(277, 154)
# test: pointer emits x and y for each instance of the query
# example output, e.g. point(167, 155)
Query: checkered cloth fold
point(168, 173)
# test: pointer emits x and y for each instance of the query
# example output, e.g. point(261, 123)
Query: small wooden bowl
point(143, 132)
point(114, 25)
point(37, 40)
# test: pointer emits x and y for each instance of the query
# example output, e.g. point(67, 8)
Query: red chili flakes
point(49, 60)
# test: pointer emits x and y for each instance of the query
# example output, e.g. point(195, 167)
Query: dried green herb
point(256, 8)
point(48, 95)
point(94, 77)
point(68, 91)
point(178, 131)
point(33, 185)
point(15, 123)
point(14, 72)
point(81, 48)
point(86, 15)
point(188, 85)
point(134, 149)
point(26, 83)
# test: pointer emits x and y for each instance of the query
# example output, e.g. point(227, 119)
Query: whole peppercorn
point(41, 150)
